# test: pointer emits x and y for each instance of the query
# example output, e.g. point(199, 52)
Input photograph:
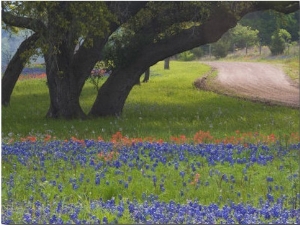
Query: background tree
point(279, 39)
point(243, 36)
point(167, 63)
point(267, 22)
point(220, 48)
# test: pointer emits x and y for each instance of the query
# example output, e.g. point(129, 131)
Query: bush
point(278, 41)
point(220, 49)
point(198, 52)
point(186, 56)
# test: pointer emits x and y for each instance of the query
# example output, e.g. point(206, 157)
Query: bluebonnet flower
point(129, 178)
point(224, 177)
point(53, 182)
point(60, 187)
point(182, 173)
point(59, 207)
point(81, 177)
point(126, 185)
point(270, 179)
point(270, 197)
point(232, 179)
point(181, 193)
point(270, 189)
point(75, 186)
point(154, 179)
point(37, 204)
point(105, 221)
point(27, 218)
point(176, 165)
point(97, 179)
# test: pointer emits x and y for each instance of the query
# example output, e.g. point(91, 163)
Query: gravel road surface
point(259, 81)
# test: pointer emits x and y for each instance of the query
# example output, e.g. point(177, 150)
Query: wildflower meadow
point(129, 180)
point(183, 156)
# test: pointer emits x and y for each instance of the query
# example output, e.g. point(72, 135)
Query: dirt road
point(258, 81)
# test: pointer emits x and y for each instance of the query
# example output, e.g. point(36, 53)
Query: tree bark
point(15, 67)
point(167, 63)
point(63, 84)
point(114, 92)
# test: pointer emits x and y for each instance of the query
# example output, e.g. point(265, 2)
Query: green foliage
point(267, 22)
point(198, 52)
point(74, 21)
point(186, 56)
point(120, 49)
point(279, 40)
point(220, 48)
point(241, 36)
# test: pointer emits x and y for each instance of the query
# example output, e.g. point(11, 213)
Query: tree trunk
point(15, 68)
point(147, 75)
point(114, 92)
point(167, 63)
point(63, 88)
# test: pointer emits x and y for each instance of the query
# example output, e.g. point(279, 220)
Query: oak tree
point(74, 36)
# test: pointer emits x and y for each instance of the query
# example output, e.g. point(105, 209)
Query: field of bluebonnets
point(248, 177)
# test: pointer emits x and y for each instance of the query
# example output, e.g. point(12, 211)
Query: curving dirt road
point(257, 81)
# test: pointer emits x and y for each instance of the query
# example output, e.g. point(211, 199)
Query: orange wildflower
point(47, 137)
point(196, 179)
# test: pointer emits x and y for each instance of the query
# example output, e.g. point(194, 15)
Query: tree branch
point(209, 31)
point(23, 22)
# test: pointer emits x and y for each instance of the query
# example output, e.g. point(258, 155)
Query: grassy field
point(176, 155)
point(168, 105)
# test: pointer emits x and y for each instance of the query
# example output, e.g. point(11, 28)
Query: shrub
point(278, 41)
point(186, 56)
point(220, 49)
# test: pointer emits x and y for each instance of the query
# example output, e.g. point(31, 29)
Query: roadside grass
point(168, 105)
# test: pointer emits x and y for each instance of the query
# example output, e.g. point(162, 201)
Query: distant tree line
point(262, 28)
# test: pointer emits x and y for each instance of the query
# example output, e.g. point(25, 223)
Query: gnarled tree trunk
point(15, 67)
point(63, 90)
point(114, 92)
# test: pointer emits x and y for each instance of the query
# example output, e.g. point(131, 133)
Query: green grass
point(168, 105)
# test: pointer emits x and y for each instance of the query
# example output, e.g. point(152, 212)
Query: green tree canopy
point(241, 36)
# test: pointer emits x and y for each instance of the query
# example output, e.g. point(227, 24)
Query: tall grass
point(168, 105)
